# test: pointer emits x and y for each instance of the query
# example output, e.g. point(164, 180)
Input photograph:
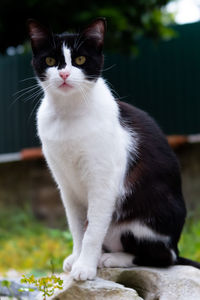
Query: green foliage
point(47, 285)
point(7, 284)
point(189, 245)
point(27, 244)
point(127, 20)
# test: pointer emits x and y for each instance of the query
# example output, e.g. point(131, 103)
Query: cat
point(118, 178)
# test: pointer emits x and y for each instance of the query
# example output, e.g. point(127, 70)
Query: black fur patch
point(88, 43)
point(153, 180)
point(147, 252)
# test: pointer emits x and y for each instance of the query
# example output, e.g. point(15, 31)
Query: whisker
point(47, 87)
point(83, 93)
point(33, 96)
point(30, 89)
point(33, 110)
point(110, 67)
point(77, 39)
point(27, 88)
point(80, 44)
point(29, 78)
point(37, 93)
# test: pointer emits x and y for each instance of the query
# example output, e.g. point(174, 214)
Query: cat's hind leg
point(147, 252)
point(135, 243)
point(116, 259)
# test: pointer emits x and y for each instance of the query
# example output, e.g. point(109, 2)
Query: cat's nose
point(64, 74)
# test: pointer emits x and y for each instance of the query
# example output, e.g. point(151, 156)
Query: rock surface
point(175, 283)
point(97, 289)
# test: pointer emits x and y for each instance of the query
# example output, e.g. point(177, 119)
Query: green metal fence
point(17, 126)
point(164, 79)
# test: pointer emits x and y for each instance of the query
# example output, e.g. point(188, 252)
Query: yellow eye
point(50, 61)
point(80, 60)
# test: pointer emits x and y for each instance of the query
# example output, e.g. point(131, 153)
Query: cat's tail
point(187, 262)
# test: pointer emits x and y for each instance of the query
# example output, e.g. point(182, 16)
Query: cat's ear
point(96, 31)
point(40, 35)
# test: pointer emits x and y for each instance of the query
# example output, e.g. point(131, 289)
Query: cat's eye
point(80, 60)
point(50, 61)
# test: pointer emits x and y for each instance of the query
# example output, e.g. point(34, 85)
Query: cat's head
point(64, 63)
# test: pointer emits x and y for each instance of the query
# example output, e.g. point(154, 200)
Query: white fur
point(174, 256)
point(87, 151)
point(112, 240)
point(142, 231)
point(67, 56)
point(117, 259)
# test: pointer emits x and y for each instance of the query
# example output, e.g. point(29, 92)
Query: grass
point(189, 244)
point(27, 245)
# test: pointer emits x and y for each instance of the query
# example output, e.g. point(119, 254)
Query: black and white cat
point(118, 178)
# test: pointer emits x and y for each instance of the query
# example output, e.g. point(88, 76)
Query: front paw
point(68, 262)
point(81, 271)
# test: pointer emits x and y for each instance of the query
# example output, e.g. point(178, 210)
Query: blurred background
point(152, 60)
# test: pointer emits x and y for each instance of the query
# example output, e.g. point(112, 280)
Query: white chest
point(86, 149)
point(69, 151)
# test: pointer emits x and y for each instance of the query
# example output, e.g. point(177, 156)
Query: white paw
point(106, 260)
point(117, 259)
point(68, 262)
point(81, 271)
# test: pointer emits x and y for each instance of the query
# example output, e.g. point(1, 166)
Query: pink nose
point(64, 74)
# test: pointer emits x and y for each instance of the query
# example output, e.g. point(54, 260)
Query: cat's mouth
point(65, 85)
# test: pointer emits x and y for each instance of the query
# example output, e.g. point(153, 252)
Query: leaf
point(5, 283)
point(26, 289)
